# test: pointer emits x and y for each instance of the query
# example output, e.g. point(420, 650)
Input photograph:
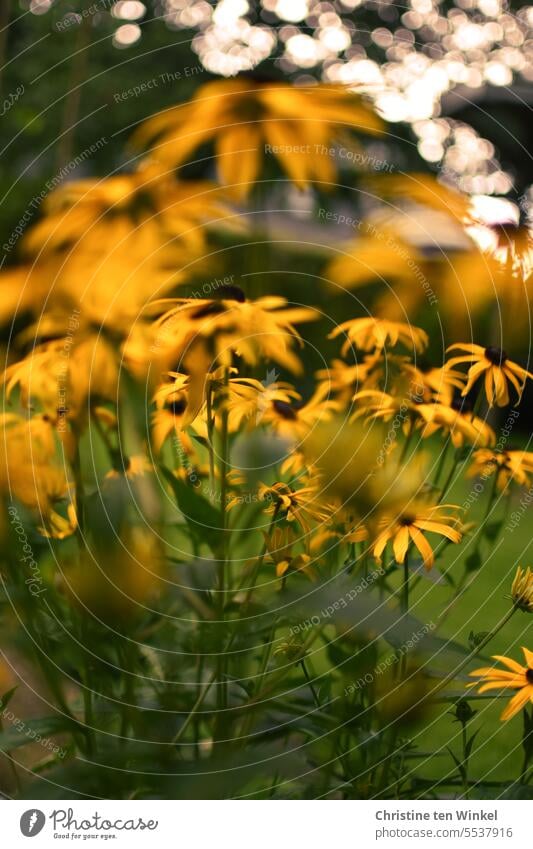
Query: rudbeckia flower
point(411, 525)
point(248, 400)
point(67, 376)
point(173, 414)
point(140, 208)
point(461, 426)
point(379, 254)
point(513, 248)
point(497, 368)
point(231, 324)
point(293, 421)
point(295, 504)
point(246, 118)
point(280, 545)
point(424, 190)
point(522, 590)
point(344, 380)
point(515, 677)
point(374, 334)
point(509, 466)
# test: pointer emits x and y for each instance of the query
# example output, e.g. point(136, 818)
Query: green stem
point(465, 761)
point(222, 569)
point(310, 683)
point(442, 461)
point(198, 703)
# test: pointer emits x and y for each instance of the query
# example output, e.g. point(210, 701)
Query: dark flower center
point(231, 293)
point(177, 407)
point(285, 410)
point(406, 520)
point(215, 306)
point(529, 676)
point(496, 356)
point(461, 405)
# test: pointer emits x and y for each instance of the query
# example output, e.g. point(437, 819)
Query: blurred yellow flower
point(374, 334)
point(233, 325)
point(461, 425)
point(295, 504)
point(293, 421)
point(509, 466)
point(280, 543)
point(248, 118)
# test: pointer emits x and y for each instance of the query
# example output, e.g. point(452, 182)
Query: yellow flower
point(141, 208)
point(522, 590)
point(411, 525)
point(280, 544)
point(344, 380)
point(514, 466)
point(515, 677)
point(513, 248)
point(429, 383)
point(233, 325)
point(424, 190)
point(458, 423)
point(497, 368)
point(374, 334)
point(295, 504)
point(249, 399)
point(378, 254)
point(381, 405)
point(246, 118)
point(173, 413)
point(293, 421)
point(67, 376)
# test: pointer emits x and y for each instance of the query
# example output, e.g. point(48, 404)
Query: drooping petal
point(517, 703)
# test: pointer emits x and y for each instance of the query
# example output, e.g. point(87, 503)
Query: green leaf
point(6, 698)
point(492, 530)
point(34, 731)
point(203, 520)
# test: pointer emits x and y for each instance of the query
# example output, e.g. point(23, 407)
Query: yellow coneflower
point(411, 525)
point(280, 544)
point(248, 400)
point(514, 466)
point(140, 207)
point(513, 247)
point(522, 590)
point(66, 386)
point(425, 190)
point(515, 677)
point(344, 380)
point(295, 504)
point(293, 421)
point(374, 334)
point(379, 254)
point(430, 383)
point(233, 324)
point(173, 413)
point(498, 370)
point(455, 420)
point(381, 405)
point(247, 118)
